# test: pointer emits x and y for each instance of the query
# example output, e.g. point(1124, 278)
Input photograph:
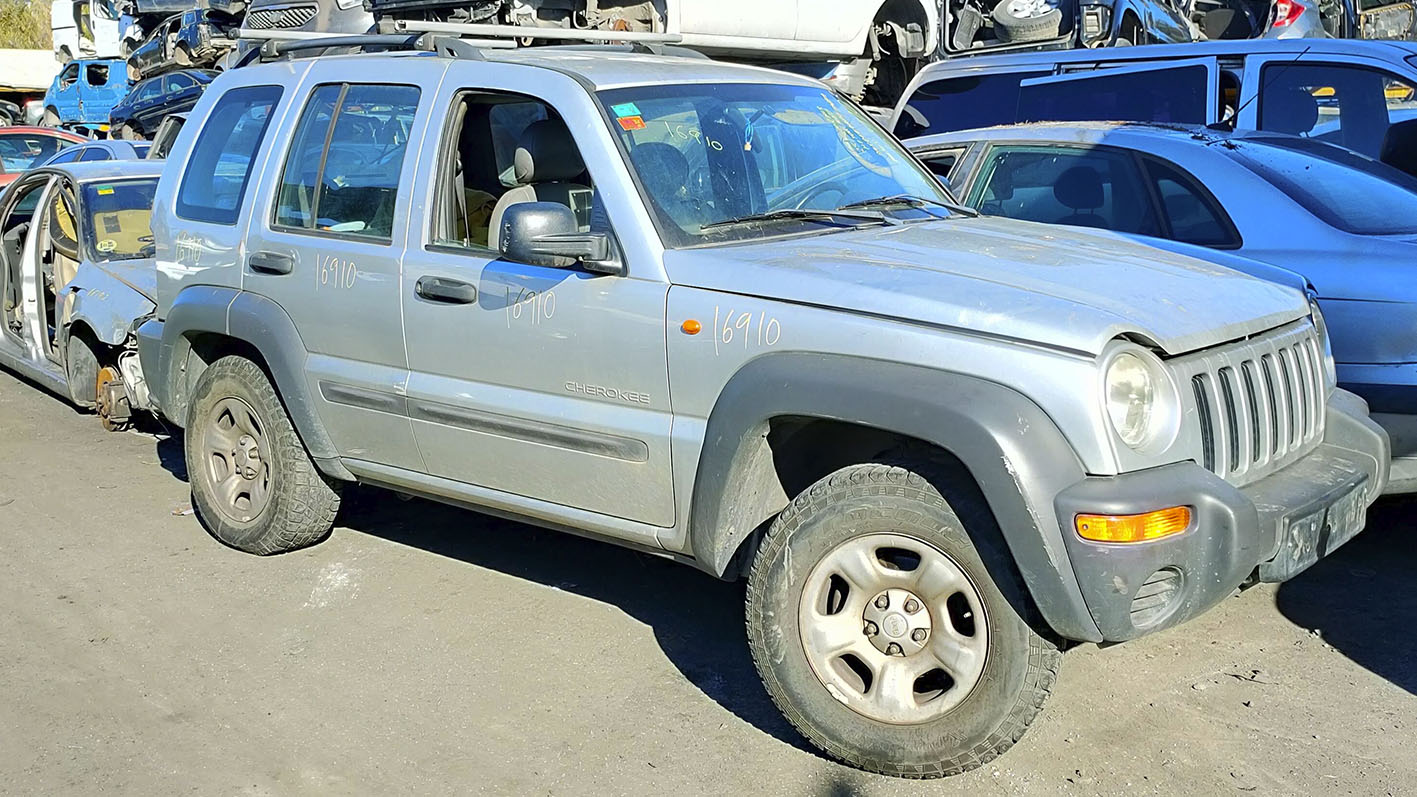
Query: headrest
point(546, 154)
point(1079, 188)
point(662, 167)
point(1400, 146)
point(1292, 111)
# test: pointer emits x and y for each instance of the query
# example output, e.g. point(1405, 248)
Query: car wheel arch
point(982, 425)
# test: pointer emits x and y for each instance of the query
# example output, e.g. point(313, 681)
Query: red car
point(24, 147)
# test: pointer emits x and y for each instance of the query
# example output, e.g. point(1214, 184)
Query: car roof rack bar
point(317, 43)
point(524, 32)
point(644, 48)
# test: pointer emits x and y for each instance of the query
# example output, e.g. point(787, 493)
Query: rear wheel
point(890, 628)
point(127, 132)
point(254, 485)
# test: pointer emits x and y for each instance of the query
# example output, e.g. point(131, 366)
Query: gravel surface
point(422, 649)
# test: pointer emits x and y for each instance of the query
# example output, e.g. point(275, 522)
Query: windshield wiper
point(910, 200)
point(807, 214)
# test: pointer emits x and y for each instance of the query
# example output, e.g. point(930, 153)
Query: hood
point(1062, 287)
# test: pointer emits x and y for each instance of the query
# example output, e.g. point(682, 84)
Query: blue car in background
point(84, 92)
point(1252, 201)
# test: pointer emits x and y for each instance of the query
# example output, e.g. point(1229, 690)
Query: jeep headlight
point(1325, 346)
point(1140, 399)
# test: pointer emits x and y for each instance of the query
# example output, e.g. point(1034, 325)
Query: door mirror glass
point(547, 234)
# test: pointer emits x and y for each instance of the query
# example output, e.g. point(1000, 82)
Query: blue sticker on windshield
point(625, 109)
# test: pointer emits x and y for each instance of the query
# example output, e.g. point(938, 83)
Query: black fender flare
point(1014, 451)
point(264, 326)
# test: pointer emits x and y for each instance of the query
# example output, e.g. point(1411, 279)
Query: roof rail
point(525, 32)
point(295, 43)
point(643, 48)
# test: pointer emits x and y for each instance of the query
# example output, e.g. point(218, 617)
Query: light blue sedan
point(1342, 221)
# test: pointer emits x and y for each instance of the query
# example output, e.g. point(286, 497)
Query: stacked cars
point(715, 313)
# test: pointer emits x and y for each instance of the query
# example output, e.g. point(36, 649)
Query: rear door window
point(342, 172)
point(1180, 92)
point(1076, 186)
point(96, 74)
point(95, 154)
point(1191, 213)
point(962, 103)
point(1345, 104)
point(219, 167)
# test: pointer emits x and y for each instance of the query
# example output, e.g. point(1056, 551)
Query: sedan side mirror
point(546, 234)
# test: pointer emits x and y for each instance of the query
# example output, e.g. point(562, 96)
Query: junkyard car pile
point(715, 313)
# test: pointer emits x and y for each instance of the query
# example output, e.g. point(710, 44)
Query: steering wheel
point(835, 186)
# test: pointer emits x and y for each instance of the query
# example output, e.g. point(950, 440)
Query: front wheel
point(890, 628)
point(254, 485)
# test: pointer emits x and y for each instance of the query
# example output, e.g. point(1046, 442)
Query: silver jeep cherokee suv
point(715, 313)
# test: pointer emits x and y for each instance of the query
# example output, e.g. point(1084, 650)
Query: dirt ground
point(427, 650)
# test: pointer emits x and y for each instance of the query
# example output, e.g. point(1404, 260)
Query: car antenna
point(1235, 114)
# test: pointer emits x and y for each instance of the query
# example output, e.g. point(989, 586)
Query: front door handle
point(270, 263)
point(442, 289)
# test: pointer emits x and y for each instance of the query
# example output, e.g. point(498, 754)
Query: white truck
point(85, 29)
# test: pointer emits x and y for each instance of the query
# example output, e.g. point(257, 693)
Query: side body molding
point(1010, 446)
point(165, 347)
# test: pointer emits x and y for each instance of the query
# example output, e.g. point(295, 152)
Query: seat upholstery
point(1290, 110)
point(1080, 189)
point(665, 173)
point(1400, 146)
point(545, 168)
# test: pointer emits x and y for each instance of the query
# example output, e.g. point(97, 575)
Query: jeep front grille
point(279, 18)
point(1259, 403)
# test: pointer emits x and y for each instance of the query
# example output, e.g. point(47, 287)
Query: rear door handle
point(271, 263)
point(442, 289)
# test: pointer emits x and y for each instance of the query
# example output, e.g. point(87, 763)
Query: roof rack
point(292, 44)
point(524, 32)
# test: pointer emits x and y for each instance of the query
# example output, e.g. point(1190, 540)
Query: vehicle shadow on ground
point(697, 620)
point(1363, 598)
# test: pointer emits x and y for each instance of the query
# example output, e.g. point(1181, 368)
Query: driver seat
point(546, 168)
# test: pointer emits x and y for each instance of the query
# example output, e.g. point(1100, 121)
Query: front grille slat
point(1259, 403)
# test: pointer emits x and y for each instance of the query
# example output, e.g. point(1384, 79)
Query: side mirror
point(546, 234)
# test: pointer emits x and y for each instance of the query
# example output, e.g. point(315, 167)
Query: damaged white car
point(77, 278)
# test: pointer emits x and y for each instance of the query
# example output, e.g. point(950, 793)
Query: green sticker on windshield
point(625, 109)
point(105, 190)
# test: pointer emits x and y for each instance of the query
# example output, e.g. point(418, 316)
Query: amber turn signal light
point(691, 327)
point(1134, 528)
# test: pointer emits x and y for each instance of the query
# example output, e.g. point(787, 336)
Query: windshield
point(713, 158)
point(21, 151)
point(1343, 189)
point(118, 220)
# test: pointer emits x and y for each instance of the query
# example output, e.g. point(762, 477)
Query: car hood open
point(1056, 286)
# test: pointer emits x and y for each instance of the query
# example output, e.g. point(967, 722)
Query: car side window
point(219, 167)
point(68, 156)
point(96, 74)
point(1077, 186)
point(95, 154)
point(962, 103)
point(506, 149)
point(1191, 213)
point(147, 90)
point(942, 162)
point(1345, 104)
point(1171, 94)
point(177, 82)
point(68, 77)
point(342, 172)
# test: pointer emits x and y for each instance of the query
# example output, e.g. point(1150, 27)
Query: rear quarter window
point(219, 167)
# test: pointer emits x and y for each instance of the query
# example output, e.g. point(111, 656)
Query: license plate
point(1311, 537)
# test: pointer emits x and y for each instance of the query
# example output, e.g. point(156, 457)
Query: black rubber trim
point(605, 445)
point(363, 398)
point(1009, 445)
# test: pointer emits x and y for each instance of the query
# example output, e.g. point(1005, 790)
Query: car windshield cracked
point(732, 162)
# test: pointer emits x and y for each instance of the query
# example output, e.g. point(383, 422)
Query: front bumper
point(1269, 530)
